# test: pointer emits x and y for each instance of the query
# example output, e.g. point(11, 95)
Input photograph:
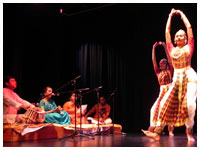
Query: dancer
point(101, 110)
point(164, 74)
point(53, 114)
point(179, 103)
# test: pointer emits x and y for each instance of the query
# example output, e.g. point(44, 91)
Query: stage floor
point(128, 140)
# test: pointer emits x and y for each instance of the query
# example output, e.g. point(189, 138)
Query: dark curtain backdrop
point(109, 47)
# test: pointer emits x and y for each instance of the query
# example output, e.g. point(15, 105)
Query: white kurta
point(11, 103)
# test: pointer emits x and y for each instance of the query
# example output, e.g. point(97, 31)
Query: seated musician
point(12, 102)
point(53, 113)
point(104, 112)
point(69, 107)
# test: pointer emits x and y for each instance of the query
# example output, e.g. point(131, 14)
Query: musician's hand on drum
point(19, 107)
point(37, 109)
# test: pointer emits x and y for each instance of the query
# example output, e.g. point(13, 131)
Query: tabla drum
point(33, 116)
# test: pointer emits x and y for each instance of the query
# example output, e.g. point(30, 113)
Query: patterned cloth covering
point(26, 128)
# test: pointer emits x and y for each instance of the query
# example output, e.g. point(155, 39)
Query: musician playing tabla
point(12, 102)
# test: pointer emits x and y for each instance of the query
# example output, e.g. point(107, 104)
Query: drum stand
point(77, 132)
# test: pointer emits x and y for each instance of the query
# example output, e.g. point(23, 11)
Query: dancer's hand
point(179, 12)
point(173, 11)
point(155, 45)
point(162, 43)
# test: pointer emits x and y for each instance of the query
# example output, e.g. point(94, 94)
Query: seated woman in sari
point(69, 107)
point(53, 114)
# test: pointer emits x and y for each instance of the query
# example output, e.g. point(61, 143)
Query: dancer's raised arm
point(168, 56)
point(168, 30)
point(189, 31)
point(155, 66)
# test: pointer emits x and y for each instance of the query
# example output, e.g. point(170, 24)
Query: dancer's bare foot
point(171, 134)
point(190, 138)
point(171, 129)
point(145, 131)
point(155, 136)
point(189, 135)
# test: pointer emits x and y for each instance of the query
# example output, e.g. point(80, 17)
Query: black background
point(41, 47)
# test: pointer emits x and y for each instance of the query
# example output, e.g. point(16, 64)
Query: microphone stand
point(98, 101)
point(76, 132)
point(72, 81)
point(98, 113)
point(113, 121)
point(42, 96)
point(80, 131)
point(97, 90)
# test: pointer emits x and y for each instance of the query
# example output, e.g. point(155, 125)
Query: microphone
point(53, 94)
point(76, 78)
point(85, 89)
point(114, 91)
point(112, 94)
point(98, 88)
